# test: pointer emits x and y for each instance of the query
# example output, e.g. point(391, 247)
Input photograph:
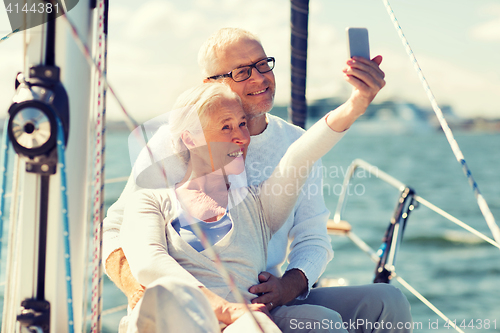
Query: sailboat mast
point(297, 111)
point(51, 45)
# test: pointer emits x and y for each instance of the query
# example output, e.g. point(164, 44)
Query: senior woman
point(159, 235)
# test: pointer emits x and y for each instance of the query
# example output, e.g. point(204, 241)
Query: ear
point(188, 139)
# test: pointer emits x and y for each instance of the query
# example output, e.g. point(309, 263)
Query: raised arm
point(280, 191)
point(367, 79)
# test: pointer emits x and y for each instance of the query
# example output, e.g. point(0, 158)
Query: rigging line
point(97, 281)
point(426, 302)
point(116, 180)
point(455, 220)
point(114, 310)
point(13, 262)
point(131, 122)
point(374, 257)
point(134, 124)
point(65, 222)
point(226, 276)
point(10, 34)
point(3, 178)
point(483, 206)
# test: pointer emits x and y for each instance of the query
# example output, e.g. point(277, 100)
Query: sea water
point(455, 270)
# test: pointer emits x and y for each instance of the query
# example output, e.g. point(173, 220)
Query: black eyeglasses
point(243, 73)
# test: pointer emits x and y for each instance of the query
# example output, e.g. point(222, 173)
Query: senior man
point(237, 56)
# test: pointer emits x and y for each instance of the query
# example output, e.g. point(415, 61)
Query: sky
point(153, 46)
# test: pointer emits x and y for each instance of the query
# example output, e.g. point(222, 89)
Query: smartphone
point(357, 42)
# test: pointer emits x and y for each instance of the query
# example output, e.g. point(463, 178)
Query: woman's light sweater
point(154, 249)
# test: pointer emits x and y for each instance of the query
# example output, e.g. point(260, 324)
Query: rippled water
point(454, 269)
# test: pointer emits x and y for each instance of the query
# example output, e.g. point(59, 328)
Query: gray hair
point(215, 45)
point(192, 111)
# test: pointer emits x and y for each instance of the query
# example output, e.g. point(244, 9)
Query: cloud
point(470, 92)
point(153, 50)
point(154, 58)
point(159, 18)
point(488, 31)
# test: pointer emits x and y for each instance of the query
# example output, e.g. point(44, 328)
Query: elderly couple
point(155, 240)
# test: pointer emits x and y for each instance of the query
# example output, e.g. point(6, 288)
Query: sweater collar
point(266, 134)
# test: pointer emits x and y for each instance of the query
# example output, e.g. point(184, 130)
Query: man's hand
point(279, 291)
point(119, 272)
point(136, 296)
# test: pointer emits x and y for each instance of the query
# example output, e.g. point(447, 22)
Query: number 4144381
point(473, 323)
point(42, 8)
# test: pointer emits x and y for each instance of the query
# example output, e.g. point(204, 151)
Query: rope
point(13, 263)
point(228, 279)
point(483, 206)
point(116, 180)
point(114, 310)
point(426, 302)
point(3, 179)
point(9, 35)
point(97, 282)
point(453, 219)
point(131, 122)
point(65, 220)
point(368, 250)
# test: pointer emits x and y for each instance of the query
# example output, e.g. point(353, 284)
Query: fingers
point(260, 288)
point(136, 297)
point(377, 60)
point(262, 308)
point(268, 291)
point(265, 299)
point(264, 276)
point(374, 63)
point(365, 76)
point(366, 71)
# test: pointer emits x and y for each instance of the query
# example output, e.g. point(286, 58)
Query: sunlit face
point(257, 92)
point(227, 138)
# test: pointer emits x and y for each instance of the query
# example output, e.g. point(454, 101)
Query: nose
point(242, 137)
point(256, 75)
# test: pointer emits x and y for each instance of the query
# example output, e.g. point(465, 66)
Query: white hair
point(192, 111)
point(215, 45)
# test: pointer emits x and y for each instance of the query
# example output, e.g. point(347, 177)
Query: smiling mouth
point(258, 92)
point(236, 153)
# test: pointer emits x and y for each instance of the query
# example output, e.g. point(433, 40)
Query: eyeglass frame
point(230, 74)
